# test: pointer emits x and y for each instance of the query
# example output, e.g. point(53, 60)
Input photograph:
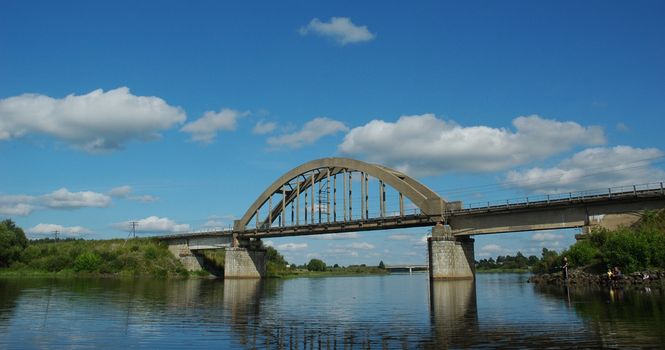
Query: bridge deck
point(546, 212)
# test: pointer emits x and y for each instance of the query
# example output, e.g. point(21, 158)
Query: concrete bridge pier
point(450, 257)
point(180, 249)
point(245, 259)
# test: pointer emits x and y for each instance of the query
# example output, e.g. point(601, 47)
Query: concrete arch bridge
point(334, 195)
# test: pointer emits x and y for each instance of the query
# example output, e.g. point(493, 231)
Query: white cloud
point(593, 168)
point(340, 251)
point(64, 199)
point(154, 224)
point(205, 128)
point(492, 249)
point(22, 205)
point(16, 205)
point(95, 122)
point(339, 236)
point(263, 127)
point(546, 236)
point(310, 133)
point(121, 191)
point(66, 230)
point(214, 223)
point(16, 209)
point(399, 237)
point(361, 245)
point(339, 29)
point(289, 247)
point(125, 192)
point(427, 145)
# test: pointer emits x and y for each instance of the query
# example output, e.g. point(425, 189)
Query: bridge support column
point(180, 249)
point(247, 262)
point(450, 257)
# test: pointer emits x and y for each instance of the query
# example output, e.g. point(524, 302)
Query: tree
point(521, 261)
point(12, 242)
point(316, 265)
point(272, 255)
point(382, 266)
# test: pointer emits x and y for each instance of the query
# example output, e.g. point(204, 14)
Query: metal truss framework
point(299, 186)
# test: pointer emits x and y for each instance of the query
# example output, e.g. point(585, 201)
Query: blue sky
point(178, 115)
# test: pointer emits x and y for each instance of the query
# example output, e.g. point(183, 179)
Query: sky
point(177, 115)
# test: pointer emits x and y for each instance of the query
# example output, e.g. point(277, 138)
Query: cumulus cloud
point(361, 245)
point(426, 145)
point(263, 127)
point(95, 122)
point(310, 133)
point(340, 251)
point(154, 224)
point(205, 129)
point(546, 236)
point(16, 205)
point(492, 249)
point(126, 191)
point(22, 205)
point(214, 223)
point(48, 229)
point(399, 237)
point(121, 191)
point(593, 168)
point(289, 247)
point(16, 209)
point(64, 199)
point(339, 29)
point(339, 236)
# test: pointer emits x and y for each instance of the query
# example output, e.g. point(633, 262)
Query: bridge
point(334, 195)
point(406, 268)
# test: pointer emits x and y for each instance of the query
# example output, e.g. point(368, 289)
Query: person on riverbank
point(565, 268)
point(616, 273)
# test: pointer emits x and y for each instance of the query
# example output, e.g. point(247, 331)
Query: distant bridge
point(321, 197)
point(406, 268)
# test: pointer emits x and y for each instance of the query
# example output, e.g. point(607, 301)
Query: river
point(398, 311)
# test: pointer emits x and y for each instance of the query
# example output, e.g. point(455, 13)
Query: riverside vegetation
point(638, 251)
point(146, 257)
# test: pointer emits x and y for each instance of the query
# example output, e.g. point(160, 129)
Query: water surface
point(392, 311)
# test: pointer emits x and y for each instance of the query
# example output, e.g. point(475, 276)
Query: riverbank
point(96, 258)
point(579, 277)
point(500, 270)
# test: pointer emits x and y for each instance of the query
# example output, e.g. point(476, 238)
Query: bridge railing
point(619, 191)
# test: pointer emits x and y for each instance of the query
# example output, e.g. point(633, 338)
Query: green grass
point(117, 258)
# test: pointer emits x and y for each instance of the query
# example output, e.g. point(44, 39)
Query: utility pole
point(132, 225)
point(55, 234)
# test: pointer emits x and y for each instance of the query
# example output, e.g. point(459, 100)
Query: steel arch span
point(300, 183)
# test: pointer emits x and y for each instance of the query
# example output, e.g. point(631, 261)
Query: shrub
point(88, 262)
point(316, 265)
point(150, 253)
point(550, 262)
point(582, 253)
point(12, 243)
point(627, 250)
point(55, 263)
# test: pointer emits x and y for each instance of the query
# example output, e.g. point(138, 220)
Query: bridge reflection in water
point(453, 312)
point(324, 313)
point(258, 322)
